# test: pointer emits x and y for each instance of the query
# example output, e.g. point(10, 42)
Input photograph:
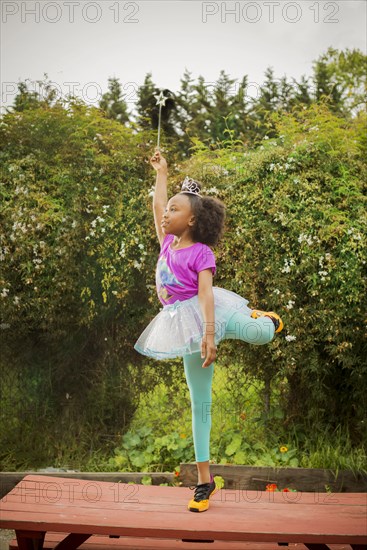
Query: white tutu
point(177, 330)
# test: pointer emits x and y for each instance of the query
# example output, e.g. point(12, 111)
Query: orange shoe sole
point(257, 313)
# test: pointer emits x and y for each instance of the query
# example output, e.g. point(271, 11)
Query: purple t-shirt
point(177, 270)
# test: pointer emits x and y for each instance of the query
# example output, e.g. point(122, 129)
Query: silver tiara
point(190, 186)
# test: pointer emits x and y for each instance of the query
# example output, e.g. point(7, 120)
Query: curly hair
point(209, 215)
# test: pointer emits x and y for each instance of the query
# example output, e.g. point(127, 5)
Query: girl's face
point(178, 215)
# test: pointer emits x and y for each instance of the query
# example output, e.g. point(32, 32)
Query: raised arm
point(160, 192)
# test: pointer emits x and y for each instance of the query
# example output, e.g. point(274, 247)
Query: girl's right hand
point(158, 162)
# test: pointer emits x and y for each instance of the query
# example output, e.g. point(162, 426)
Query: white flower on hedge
point(290, 338)
point(272, 166)
point(287, 265)
point(290, 304)
point(303, 237)
point(4, 292)
point(3, 251)
point(276, 291)
point(23, 190)
point(122, 250)
point(136, 264)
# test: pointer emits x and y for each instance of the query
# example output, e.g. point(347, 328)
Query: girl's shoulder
point(167, 240)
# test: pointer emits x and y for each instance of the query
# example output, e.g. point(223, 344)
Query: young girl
point(195, 316)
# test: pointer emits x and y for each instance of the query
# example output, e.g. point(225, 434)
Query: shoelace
point(201, 491)
point(275, 321)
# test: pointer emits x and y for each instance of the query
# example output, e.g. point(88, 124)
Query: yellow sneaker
point(278, 323)
point(200, 502)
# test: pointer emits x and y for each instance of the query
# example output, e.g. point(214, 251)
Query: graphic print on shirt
point(165, 277)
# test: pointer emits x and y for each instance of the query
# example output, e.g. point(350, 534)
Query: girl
point(195, 316)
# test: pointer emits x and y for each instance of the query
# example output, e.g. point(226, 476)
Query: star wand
point(161, 100)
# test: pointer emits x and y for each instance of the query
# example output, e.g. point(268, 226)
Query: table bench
point(71, 510)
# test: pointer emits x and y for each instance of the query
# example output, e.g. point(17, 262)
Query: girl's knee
point(261, 331)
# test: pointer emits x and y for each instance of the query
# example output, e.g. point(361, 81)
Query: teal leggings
point(199, 380)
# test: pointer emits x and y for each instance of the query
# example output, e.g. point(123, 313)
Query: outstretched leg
point(254, 331)
point(199, 381)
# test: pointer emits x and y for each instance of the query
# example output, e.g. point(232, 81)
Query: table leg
point(30, 540)
point(72, 541)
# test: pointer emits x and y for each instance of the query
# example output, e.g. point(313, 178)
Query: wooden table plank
point(55, 491)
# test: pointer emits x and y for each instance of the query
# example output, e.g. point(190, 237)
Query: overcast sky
point(81, 43)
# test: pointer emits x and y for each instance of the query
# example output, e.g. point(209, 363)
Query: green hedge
point(79, 249)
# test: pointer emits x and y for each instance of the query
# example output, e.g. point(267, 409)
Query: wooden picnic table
point(78, 509)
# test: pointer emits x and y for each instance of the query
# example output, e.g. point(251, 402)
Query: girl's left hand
point(208, 350)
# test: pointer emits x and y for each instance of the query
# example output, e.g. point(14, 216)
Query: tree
point(27, 99)
point(267, 103)
point(326, 88)
point(112, 102)
point(347, 71)
point(146, 103)
point(185, 111)
point(240, 107)
point(302, 92)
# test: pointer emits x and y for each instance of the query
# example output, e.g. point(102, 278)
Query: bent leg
point(199, 381)
point(254, 331)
